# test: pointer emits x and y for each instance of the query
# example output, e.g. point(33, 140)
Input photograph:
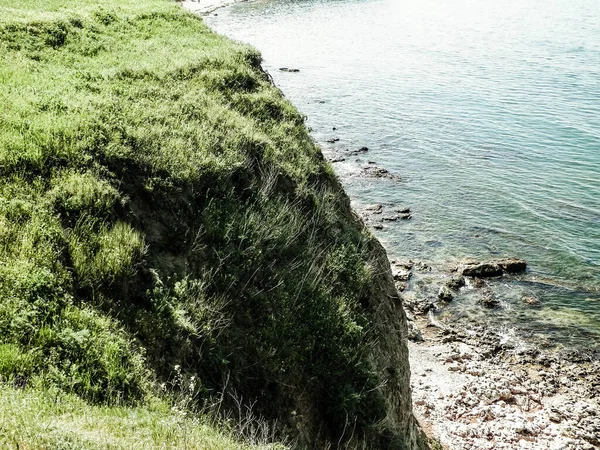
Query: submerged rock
point(287, 69)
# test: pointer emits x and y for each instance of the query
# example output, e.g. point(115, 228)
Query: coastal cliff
point(170, 232)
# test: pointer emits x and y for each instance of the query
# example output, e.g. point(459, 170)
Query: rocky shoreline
point(471, 393)
point(474, 389)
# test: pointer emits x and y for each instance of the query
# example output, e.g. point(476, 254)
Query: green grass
point(163, 205)
point(53, 420)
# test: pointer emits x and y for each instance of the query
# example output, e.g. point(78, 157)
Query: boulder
point(445, 294)
point(493, 268)
point(486, 269)
point(512, 265)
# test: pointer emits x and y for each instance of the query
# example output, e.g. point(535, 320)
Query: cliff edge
point(169, 228)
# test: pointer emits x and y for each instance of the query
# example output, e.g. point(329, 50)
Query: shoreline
point(471, 393)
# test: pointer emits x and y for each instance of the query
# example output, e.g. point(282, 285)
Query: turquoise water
point(489, 110)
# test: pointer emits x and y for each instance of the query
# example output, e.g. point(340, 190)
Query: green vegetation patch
point(53, 420)
point(162, 205)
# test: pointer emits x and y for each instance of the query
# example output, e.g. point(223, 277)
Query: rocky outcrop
point(379, 172)
point(492, 268)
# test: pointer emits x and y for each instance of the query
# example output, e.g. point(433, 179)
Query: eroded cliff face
point(389, 351)
point(390, 354)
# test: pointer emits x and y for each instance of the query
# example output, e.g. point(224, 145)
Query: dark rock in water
point(359, 151)
point(286, 69)
point(378, 226)
point(405, 216)
point(374, 207)
point(334, 128)
point(512, 265)
point(445, 294)
point(390, 218)
point(488, 299)
point(332, 140)
point(372, 162)
point(493, 268)
point(455, 283)
point(337, 159)
point(403, 210)
point(379, 172)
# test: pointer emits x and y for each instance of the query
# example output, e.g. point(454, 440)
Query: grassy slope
point(33, 419)
point(161, 204)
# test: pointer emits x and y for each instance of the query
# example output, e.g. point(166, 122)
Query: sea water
point(489, 113)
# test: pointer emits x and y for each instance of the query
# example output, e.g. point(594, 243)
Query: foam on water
point(489, 110)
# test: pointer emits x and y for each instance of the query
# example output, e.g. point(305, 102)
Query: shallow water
point(489, 111)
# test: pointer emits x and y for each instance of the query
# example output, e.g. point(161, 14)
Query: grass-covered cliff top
point(162, 206)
